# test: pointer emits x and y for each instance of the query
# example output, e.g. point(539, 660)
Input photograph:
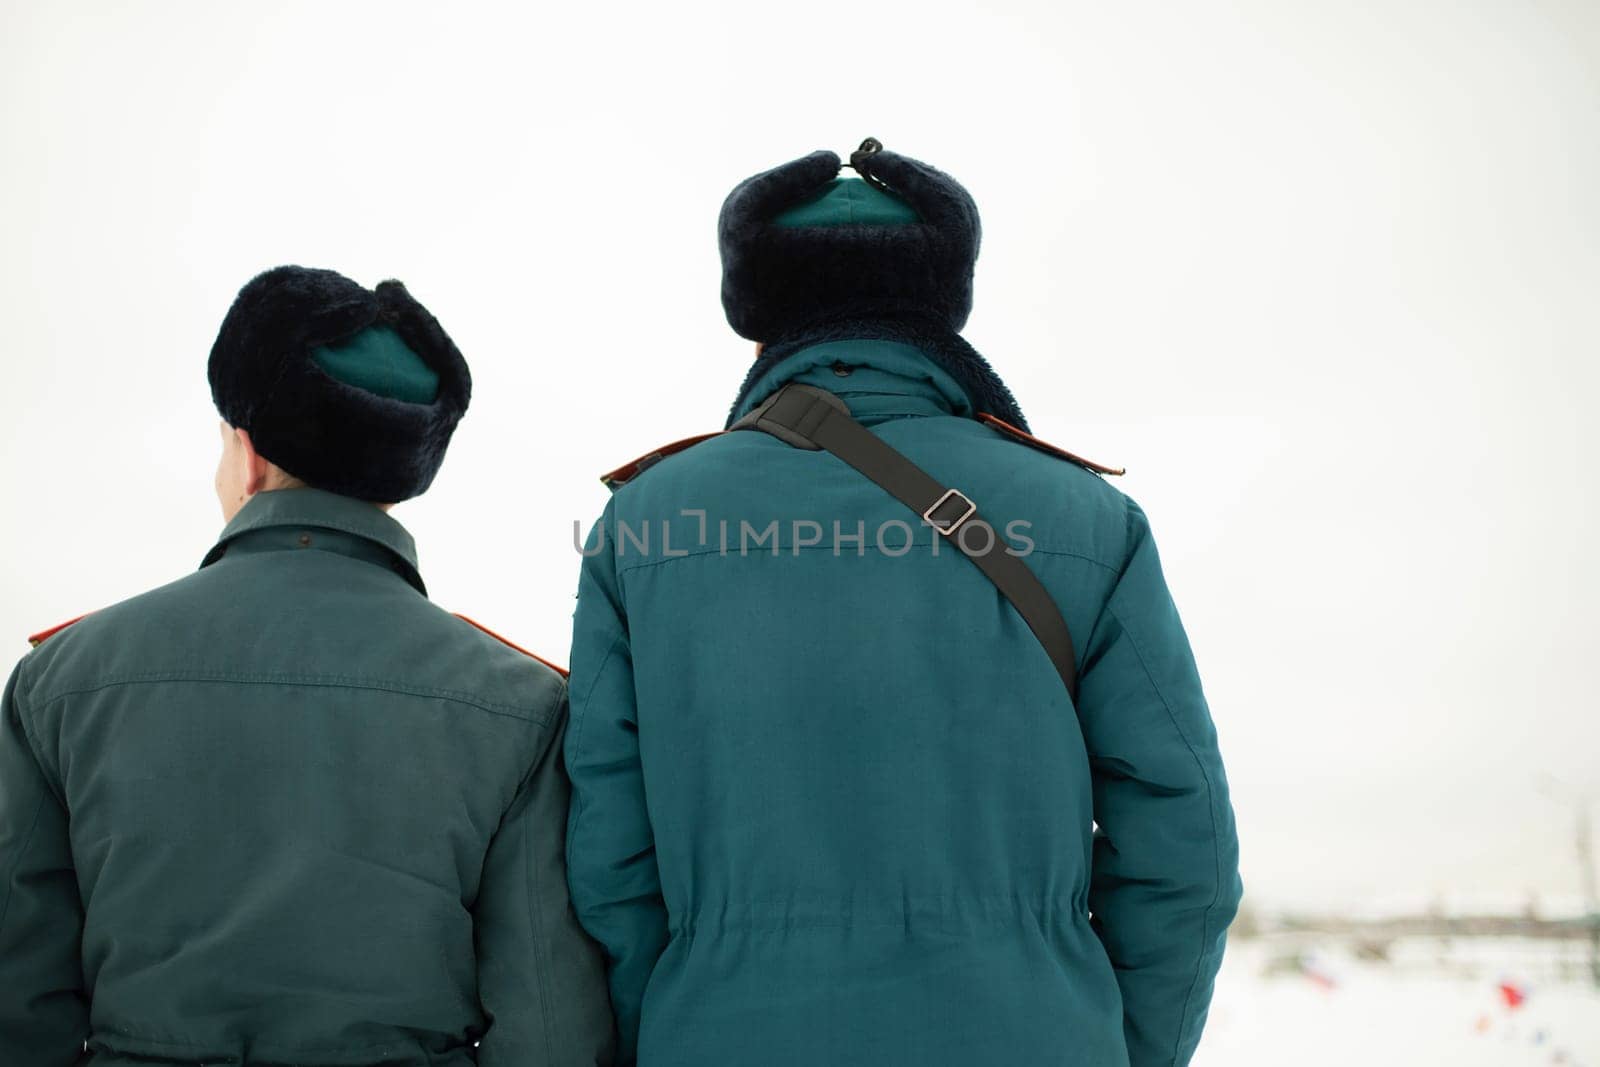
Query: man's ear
point(257, 468)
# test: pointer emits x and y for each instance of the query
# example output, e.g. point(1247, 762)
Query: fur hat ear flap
point(396, 306)
point(758, 199)
point(938, 198)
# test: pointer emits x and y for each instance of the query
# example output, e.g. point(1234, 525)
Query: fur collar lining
point(946, 348)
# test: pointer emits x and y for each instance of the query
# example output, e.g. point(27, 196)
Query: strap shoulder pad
point(512, 644)
point(1045, 446)
point(624, 474)
point(35, 640)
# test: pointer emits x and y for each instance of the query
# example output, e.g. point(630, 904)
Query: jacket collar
point(877, 379)
point(312, 518)
point(941, 346)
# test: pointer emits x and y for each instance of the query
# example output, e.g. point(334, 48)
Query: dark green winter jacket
point(287, 811)
point(832, 803)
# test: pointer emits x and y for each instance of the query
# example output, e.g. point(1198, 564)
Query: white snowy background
point(1324, 276)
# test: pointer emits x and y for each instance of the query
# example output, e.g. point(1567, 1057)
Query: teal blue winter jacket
point(832, 803)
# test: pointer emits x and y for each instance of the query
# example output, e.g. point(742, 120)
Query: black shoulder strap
point(815, 419)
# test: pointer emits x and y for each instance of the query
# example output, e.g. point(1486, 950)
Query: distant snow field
point(1421, 1003)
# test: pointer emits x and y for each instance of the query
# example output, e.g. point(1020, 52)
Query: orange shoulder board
point(1045, 446)
point(35, 640)
point(616, 479)
point(512, 644)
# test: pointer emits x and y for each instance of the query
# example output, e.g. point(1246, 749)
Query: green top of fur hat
point(377, 360)
point(849, 202)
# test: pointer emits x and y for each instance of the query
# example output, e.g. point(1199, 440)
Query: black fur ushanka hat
point(778, 279)
point(292, 366)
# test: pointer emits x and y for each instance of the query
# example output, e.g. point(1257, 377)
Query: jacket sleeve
point(541, 981)
point(1165, 879)
point(44, 1013)
point(616, 886)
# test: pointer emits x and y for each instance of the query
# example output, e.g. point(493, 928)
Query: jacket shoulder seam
point(332, 681)
point(576, 723)
point(50, 772)
point(508, 643)
point(1016, 433)
point(623, 475)
point(27, 841)
point(789, 550)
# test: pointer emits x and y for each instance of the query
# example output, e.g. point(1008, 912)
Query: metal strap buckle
point(951, 526)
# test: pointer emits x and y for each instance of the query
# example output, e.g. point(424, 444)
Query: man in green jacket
point(837, 798)
point(285, 810)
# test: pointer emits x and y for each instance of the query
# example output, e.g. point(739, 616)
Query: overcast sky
point(1322, 276)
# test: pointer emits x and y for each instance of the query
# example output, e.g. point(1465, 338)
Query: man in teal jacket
point(285, 810)
point(833, 802)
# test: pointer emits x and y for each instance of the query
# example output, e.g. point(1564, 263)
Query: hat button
point(858, 161)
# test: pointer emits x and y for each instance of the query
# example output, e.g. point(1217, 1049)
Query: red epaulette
point(35, 640)
point(1045, 446)
point(512, 644)
point(616, 479)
